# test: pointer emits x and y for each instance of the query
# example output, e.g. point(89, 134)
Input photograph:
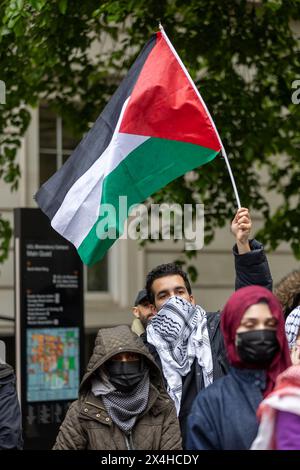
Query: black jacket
point(251, 268)
point(10, 414)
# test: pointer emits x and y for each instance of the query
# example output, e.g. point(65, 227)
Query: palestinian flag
point(154, 129)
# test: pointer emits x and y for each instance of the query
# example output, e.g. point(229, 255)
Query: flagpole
point(224, 154)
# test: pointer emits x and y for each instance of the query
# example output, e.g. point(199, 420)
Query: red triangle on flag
point(165, 104)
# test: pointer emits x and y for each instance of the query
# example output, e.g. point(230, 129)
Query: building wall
point(128, 262)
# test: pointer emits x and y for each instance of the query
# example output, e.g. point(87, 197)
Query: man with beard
point(143, 311)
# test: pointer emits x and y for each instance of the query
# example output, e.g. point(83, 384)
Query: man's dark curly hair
point(163, 270)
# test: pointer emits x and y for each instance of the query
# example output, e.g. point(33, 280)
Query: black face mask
point(257, 347)
point(126, 375)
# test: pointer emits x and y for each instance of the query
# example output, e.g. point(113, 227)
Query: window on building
point(56, 145)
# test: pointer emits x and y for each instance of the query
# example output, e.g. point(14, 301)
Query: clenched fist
point(241, 228)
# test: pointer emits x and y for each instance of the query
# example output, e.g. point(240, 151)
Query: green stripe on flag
point(148, 168)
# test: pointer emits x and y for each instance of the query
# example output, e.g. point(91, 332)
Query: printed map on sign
point(52, 364)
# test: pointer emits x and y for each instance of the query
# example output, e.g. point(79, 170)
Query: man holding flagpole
point(185, 340)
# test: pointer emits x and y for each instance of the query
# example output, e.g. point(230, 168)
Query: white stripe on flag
point(81, 205)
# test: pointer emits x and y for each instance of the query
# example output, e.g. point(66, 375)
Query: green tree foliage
point(243, 56)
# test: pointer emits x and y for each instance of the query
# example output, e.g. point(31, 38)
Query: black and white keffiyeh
point(123, 407)
point(179, 334)
point(292, 326)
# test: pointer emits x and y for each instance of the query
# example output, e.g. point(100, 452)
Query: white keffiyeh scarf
point(292, 327)
point(179, 334)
